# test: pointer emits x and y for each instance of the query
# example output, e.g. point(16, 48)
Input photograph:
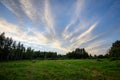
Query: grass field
point(60, 70)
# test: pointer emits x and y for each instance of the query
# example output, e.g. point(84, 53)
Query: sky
point(62, 25)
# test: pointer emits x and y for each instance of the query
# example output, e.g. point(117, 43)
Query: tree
point(90, 56)
point(8, 47)
point(2, 39)
point(78, 54)
point(100, 56)
point(13, 51)
point(115, 50)
point(29, 53)
point(5, 46)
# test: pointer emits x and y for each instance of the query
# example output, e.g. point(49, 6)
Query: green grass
point(60, 70)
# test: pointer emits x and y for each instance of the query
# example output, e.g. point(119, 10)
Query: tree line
point(78, 54)
point(113, 53)
point(12, 50)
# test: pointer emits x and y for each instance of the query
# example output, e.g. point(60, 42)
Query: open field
point(60, 70)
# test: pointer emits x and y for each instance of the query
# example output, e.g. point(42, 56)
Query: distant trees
point(115, 50)
point(10, 50)
point(78, 54)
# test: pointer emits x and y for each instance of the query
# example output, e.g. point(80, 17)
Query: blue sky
point(62, 25)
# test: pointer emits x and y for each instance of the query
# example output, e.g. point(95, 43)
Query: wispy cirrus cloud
point(88, 31)
point(9, 28)
point(50, 24)
point(15, 8)
point(37, 15)
point(99, 47)
point(14, 31)
point(78, 8)
point(28, 9)
point(84, 37)
point(33, 12)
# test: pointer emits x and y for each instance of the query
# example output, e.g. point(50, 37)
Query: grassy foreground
point(60, 70)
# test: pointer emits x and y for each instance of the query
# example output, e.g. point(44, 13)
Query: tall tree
point(2, 41)
point(115, 50)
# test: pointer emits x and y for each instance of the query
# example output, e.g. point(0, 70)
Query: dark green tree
point(115, 50)
point(78, 54)
point(2, 43)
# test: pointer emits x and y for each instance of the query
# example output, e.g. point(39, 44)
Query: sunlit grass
point(60, 70)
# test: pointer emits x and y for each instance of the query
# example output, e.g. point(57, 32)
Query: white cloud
point(98, 47)
point(83, 41)
point(14, 31)
point(9, 28)
point(13, 6)
point(98, 51)
point(38, 15)
point(83, 38)
point(49, 19)
point(57, 44)
point(96, 44)
point(32, 12)
point(85, 33)
point(27, 7)
point(78, 8)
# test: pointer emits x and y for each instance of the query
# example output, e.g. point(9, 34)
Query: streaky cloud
point(85, 40)
point(28, 9)
point(49, 19)
point(32, 11)
point(14, 31)
point(98, 46)
point(88, 31)
point(13, 6)
point(76, 15)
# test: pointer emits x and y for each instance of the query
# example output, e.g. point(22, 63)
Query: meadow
point(84, 69)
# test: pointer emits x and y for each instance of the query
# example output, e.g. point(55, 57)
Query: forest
point(12, 50)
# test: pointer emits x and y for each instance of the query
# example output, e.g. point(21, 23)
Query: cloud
point(78, 8)
point(86, 32)
point(37, 14)
point(82, 41)
point(99, 46)
point(25, 10)
point(57, 44)
point(14, 31)
point(40, 15)
point(84, 37)
point(28, 9)
point(49, 19)
point(9, 28)
point(96, 44)
point(97, 51)
point(13, 6)
point(32, 11)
